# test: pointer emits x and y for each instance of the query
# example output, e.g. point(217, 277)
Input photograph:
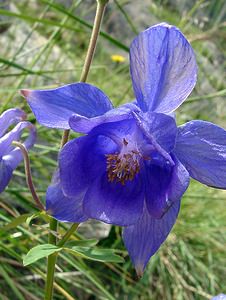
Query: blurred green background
point(43, 44)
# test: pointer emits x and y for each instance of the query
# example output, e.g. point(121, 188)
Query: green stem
point(101, 4)
point(51, 260)
point(53, 257)
point(67, 235)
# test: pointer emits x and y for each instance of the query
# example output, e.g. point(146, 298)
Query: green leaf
point(39, 252)
point(41, 214)
point(83, 243)
point(18, 221)
point(102, 255)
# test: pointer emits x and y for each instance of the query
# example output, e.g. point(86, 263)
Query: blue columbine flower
point(219, 297)
point(10, 157)
point(133, 165)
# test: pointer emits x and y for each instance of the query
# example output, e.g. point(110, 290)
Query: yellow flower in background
point(118, 58)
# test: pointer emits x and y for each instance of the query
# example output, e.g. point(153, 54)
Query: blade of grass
point(17, 66)
point(126, 16)
point(11, 284)
point(211, 96)
point(37, 20)
point(88, 25)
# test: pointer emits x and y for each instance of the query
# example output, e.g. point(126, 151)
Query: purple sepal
point(143, 239)
point(54, 107)
point(163, 68)
point(9, 117)
point(10, 157)
point(201, 147)
point(5, 175)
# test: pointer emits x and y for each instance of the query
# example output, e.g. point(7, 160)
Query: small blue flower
point(133, 164)
point(10, 157)
point(219, 297)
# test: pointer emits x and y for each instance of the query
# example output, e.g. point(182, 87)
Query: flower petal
point(201, 147)
point(179, 182)
point(14, 157)
point(83, 124)
point(163, 68)
point(155, 136)
point(11, 156)
point(72, 174)
point(164, 186)
point(5, 175)
point(81, 161)
point(163, 128)
point(114, 203)
point(9, 117)
point(219, 297)
point(61, 207)
point(143, 239)
point(54, 107)
point(118, 130)
point(14, 135)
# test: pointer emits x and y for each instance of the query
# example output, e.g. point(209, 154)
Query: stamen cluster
point(122, 167)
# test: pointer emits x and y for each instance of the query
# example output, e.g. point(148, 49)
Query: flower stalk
point(101, 4)
point(53, 224)
point(28, 174)
point(93, 39)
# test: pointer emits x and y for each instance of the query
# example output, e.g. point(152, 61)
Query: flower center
point(123, 166)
